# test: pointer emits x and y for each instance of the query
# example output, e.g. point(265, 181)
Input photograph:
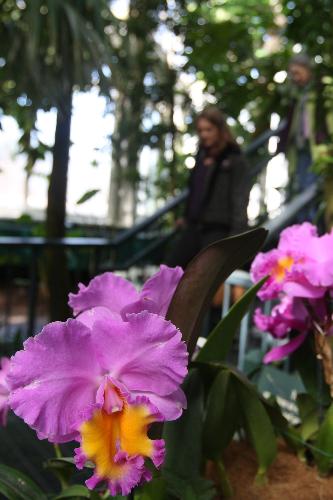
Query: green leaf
point(308, 412)
point(75, 491)
point(258, 427)
point(15, 485)
point(204, 275)
point(324, 444)
point(86, 196)
point(183, 437)
point(154, 490)
point(307, 366)
point(221, 415)
point(226, 488)
point(278, 382)
point(281, 424)
point(60, 461)
point(195, 488)
point(220, 340)
point(63, 468)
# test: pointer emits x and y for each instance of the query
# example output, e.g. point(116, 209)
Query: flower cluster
point(105, 376)
point(300, 278)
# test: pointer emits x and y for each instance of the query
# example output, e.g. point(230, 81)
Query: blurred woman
point(218, 190)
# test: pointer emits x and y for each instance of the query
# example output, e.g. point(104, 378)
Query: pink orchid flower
point(4, 390)
point(103, 381)
point(297, 266)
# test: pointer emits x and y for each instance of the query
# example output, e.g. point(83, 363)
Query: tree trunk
point(126, 148)
point(57, 271)
point(115, 191)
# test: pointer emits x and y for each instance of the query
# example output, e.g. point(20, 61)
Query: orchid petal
point(157, 292)
point(282, 351)
point(107, 290)
point(54, 379)
point(145, 353)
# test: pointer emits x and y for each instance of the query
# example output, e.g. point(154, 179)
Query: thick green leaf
point(324, 444)
point(281, 425)
point(204, 275)
point(86, 196)
point(183, 437)
point(308, 412)
point(220, 340)
point(258, 427)
point(310, 370)
point(75, 491)
point(15, 485)
point(221, 415)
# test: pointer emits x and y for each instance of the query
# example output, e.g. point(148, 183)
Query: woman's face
point(209, 134)
point(300, 75)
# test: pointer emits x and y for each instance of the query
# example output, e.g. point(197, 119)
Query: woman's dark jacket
point(219, 193)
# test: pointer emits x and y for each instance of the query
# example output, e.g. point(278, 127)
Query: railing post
point(8, 299)
point(33, 291)
point(96, 260)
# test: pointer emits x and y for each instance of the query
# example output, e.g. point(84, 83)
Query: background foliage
point(233, 48)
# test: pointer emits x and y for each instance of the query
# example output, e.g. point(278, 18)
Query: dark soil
point(288, 477)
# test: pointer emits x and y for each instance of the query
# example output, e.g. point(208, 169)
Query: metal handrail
point(127, 234)
point(263, 138)
point(290, 211)
point(41, 242)
point(144, 224)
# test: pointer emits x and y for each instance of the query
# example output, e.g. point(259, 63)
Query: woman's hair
point(213, 115)
point(301, 60)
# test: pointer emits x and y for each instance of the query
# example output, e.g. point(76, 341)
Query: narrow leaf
point(258, 427)
point(75, 491)
point(324, 444)
point(86, 196)
point(183, 437)
point(15, 485)
point(196, 488)
point(204, 275)
point(154, 490)
point(221, 415)
point(60, 461)
point(310, 371)
point(308, 412)
point(220, 340)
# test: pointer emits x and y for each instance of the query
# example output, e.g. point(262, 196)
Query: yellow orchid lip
point(107, 434)
point(284, 264)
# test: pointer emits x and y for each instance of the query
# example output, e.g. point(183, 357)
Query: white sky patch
point(297, 48)
point(280, 76)
point(120, 9)
point(90, 132)
point(12, 175)
point(190, 162)
point(275, 121)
